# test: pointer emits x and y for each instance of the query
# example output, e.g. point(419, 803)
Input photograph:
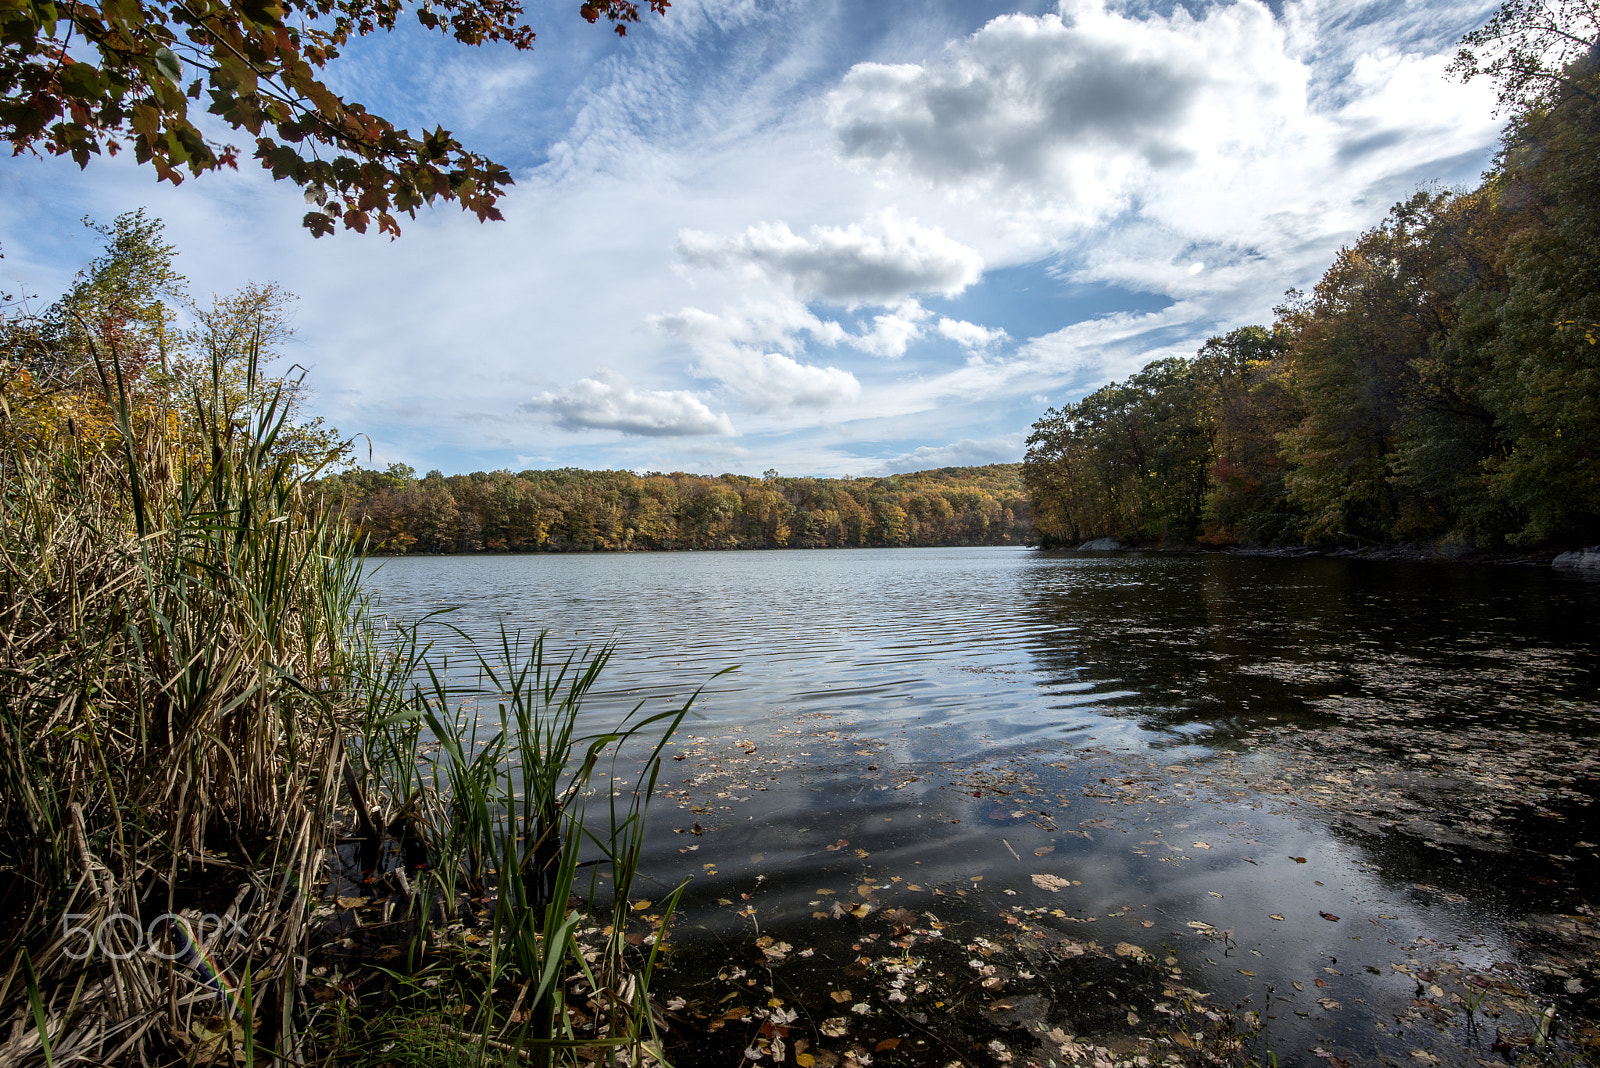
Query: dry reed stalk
point(173, 620)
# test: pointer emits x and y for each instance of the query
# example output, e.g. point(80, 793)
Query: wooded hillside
point(1440, 383)
point(574, 510)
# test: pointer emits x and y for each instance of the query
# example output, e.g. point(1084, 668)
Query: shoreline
point(1403, 552)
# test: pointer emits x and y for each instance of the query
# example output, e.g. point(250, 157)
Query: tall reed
point(190, 678)
point(173, 701)
point(518, 816)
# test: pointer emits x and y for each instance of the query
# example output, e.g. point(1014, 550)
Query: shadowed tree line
point(573, 510)
point(1440, 383)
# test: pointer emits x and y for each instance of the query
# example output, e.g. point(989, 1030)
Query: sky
point(825, 238)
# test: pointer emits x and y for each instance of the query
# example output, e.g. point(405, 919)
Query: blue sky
point(829, 238)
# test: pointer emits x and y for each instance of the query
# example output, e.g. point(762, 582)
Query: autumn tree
point(128, 336)
point(82, 78)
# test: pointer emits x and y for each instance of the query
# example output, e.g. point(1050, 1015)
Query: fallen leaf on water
point(1276, 916)
point(841, 996)
point(640, 905)
point(1247, 971)
point(1424, 1056)
point(861, 911)
point(1052, 883)
point(840, 844)
point(1300, 988)
point(1328, 1003)
point(886, 1044)
point(835, 1027)
point(805, 1060)
point(1043, 851)
point(353, 902)
point(1330, 917)
point(1298, 860)
point(1201, 845)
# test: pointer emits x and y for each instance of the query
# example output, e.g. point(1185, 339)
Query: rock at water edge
point(1577, 560)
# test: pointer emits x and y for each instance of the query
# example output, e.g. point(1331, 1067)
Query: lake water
point(1039, 806)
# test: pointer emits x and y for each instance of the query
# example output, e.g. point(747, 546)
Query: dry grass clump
point(189, 678)
point(174, 674)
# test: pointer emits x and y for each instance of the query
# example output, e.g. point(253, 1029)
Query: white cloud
point(893, 331)
point(732, 348)
point(1077, 107)
point(776, 323)
point(882, 262)
point(608, 402)
point(772, 381)
point(1005, 449)
point(970, 335)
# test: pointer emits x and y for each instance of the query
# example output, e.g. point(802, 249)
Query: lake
point(994, 806)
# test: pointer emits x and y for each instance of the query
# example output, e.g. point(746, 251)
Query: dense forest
point(1438, 384)
point(574, 510)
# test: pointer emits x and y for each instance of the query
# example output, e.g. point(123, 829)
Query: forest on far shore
point(1441, 383)
point(569, 510)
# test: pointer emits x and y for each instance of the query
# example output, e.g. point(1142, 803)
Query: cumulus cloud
point(1077, 107)
point(970, 335)
point(882, 262)
point(608, 402)
point(733, 348)
point(771, 380)
point(893, 332)
point(1005, 449)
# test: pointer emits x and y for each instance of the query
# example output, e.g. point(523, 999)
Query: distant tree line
point(1440, 383)
point(573, 510)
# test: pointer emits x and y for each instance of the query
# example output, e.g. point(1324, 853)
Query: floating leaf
point(1330, 917)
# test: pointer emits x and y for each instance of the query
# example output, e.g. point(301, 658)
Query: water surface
point(1199, 758)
